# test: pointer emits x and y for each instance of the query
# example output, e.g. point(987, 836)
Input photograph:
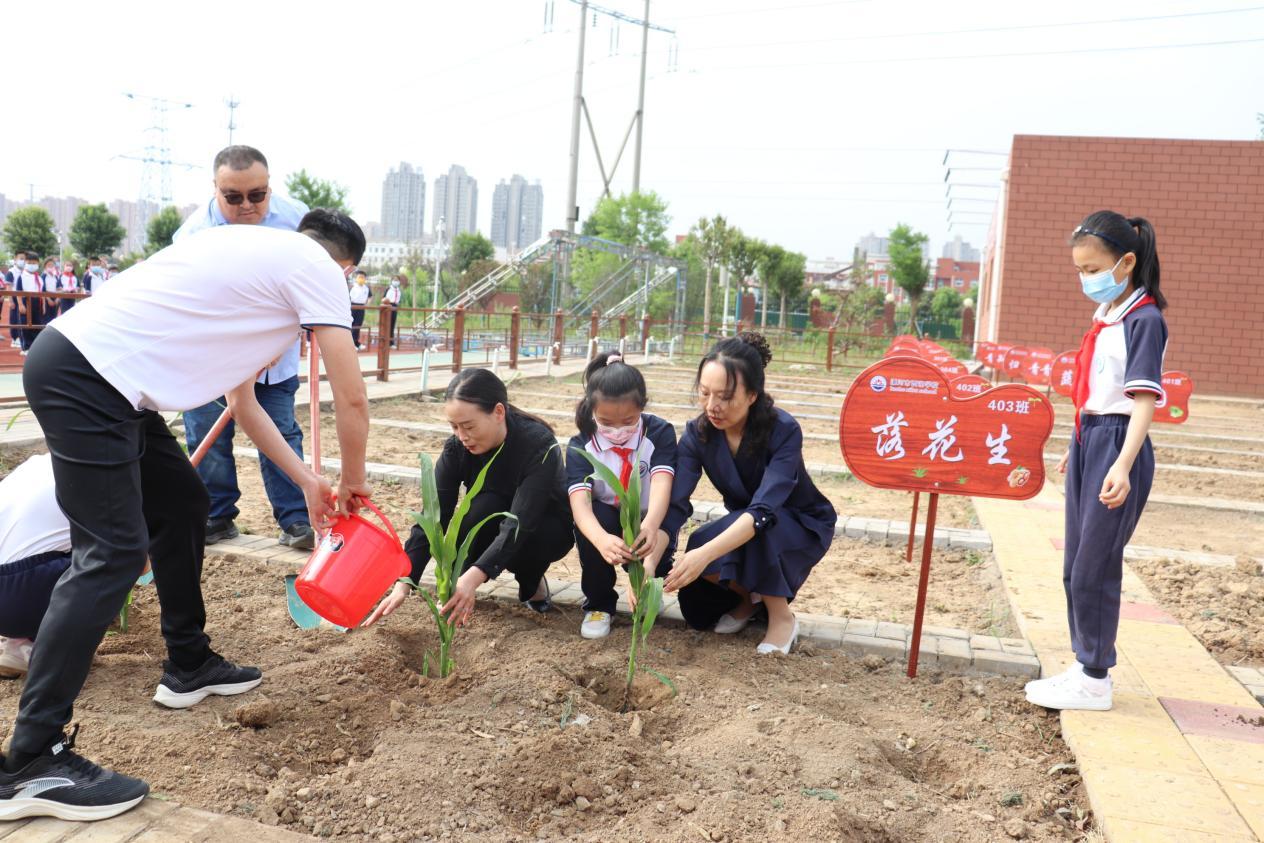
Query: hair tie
point(615, 357)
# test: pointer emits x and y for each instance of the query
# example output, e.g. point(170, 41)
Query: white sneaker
point(1078, 693)
point(15, 656)
point(1076, 669)
point(729, 625)
point(767, 648)
point(595, 625)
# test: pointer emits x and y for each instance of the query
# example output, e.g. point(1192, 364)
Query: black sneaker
point(182, 689)
point(67, 786)
point(220, 529)
point(543, 604)
point(298, 536)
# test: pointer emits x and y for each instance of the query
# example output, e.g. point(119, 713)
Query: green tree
point(535, 290)
point(714, 240)
point(317, 193)
point(907, 265)
point(945, 304)
point(96, 231)
point(859, 308)
point(161, 229)
point(30, 229)
point(468, 247)
point(783, 273)
point(632, 219)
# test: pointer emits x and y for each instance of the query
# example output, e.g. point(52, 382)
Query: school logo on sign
point(878, 383)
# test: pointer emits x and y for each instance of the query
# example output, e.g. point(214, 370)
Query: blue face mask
point(1101, 287)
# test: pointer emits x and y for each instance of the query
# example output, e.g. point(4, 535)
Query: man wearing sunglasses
point(243, 197)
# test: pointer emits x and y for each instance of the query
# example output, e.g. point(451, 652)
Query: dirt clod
point(256, 714)
point(1017, 829)
point(872, 661)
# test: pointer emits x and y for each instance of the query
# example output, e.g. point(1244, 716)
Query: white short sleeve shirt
point(206, 314)
point(31, 522)
point(1128, 356)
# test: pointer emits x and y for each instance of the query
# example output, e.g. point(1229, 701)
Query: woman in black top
point(527, 479)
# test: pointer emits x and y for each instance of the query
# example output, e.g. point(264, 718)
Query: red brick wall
point(1206, 202)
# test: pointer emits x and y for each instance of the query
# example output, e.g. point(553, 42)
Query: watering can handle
point(389, 526)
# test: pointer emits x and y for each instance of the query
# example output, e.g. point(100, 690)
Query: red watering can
point(352, 567)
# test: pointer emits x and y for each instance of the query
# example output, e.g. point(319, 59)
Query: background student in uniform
point(1110, 465)
point(391, 298)
point(173, 334)
point(69, 284)
point(359, 294)
point(614, 428)
point(12, 279)
point(526, 479)
point(779, 525)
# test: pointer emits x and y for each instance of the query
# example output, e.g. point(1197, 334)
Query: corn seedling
point(449, 556)
point(647, 590)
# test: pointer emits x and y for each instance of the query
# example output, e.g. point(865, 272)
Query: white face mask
point(618, 436)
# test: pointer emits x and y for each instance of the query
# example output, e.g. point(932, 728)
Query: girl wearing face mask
point(1110, 465)
point(359, 298)
point(778, 525)
point(614, 427)
point(526, 479)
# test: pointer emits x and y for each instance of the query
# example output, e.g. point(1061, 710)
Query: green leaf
point(454, 526)
point(15, 418)
point(648, 607)
point(661, 678)
point(603, 472)
point(919, 472)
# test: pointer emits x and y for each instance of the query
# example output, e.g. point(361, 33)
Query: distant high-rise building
point(404, 204)
point(960, 250)
point(872, 245)
point(517, 214)
point(456, 202)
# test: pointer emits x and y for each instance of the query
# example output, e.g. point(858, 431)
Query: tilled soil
point(525, 740)
point(1223, 607)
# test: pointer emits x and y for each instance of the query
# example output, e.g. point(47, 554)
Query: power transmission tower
point(155, 182)
point(581, 106)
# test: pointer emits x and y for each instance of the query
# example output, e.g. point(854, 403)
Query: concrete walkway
point(1181, 755)
point(152, 821)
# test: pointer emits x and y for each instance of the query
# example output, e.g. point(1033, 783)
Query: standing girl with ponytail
point(1110, 465)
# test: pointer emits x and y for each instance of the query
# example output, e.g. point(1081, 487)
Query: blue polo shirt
point(282, 213)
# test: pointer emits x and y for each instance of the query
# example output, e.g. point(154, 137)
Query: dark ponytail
point(485, 390)
point(745, 356)
point(608, 378)
point(1119, 235)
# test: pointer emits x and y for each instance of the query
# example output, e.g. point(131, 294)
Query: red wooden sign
point(969, 385)
point(952, 368)
point(999, 352)
point(902, 428)
point(1039, 366)
point(1016, 362)
point(1063, 374)
point(1173, 406)
point(982, 349)
point(907, 349)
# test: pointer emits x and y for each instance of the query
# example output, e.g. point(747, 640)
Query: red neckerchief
point(625, 471)
point(1084, 359)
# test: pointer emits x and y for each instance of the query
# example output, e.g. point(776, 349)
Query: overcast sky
point(806, 122)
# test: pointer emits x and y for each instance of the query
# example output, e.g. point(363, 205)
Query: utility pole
point(572, 209)
point(155, 186)
point(640, 101)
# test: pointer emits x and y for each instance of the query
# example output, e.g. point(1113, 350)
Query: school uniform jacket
point(654, 447)
point(794, 522)
point(1127, 358)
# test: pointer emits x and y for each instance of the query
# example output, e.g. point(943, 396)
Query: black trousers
point(129, 492)
point(357, 319)
point(538, 546)
point(35, 309)
point(598, 577)
point(391, 327)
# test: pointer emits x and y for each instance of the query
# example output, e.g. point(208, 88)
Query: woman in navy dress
point(779, 525)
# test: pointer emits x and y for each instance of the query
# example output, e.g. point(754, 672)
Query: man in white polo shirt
point(197, 320)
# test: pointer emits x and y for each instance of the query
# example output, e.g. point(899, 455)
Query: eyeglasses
point(233, 197)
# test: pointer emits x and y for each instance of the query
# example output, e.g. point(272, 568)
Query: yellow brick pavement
point(1146, 780)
